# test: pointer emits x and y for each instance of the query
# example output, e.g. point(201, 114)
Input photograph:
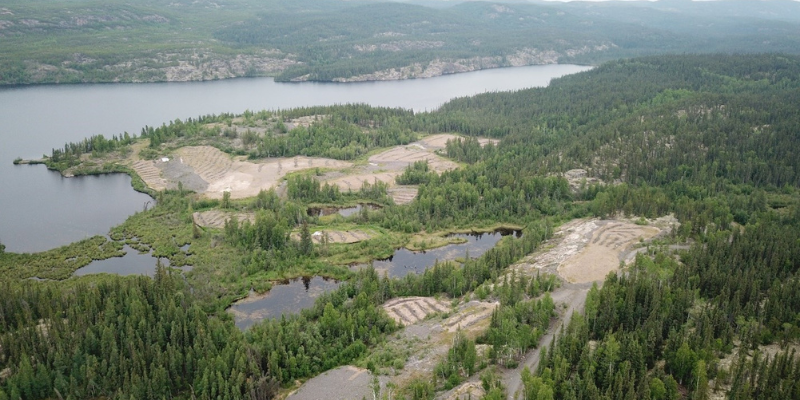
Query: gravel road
point(574, 296)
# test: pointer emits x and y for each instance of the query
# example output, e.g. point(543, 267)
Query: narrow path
point(574, 296)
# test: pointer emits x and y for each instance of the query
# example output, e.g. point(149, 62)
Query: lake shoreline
point(377, 76)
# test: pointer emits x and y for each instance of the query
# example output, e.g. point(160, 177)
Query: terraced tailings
point(222, 173)
point(403, 194)
point(150, 174)
point(410, 310)
point(217, 218)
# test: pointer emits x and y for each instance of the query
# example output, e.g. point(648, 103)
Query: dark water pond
point(287, 298)
point(132, 263)
point(42, 210)
point(405, 261)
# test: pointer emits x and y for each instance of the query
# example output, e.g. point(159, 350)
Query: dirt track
point(574, 297)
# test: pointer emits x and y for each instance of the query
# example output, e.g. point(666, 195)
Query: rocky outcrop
point(438, 67)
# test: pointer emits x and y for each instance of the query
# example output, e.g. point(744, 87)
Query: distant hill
point(332, 40)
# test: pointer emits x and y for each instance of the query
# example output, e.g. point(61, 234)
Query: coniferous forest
point(712, 308)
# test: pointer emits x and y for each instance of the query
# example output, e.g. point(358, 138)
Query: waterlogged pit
point(288, 298)
point(405, 261)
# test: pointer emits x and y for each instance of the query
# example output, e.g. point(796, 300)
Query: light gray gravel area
point(175, 171)
point(343, 383)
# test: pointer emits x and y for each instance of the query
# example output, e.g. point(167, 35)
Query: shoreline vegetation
point(676, 175)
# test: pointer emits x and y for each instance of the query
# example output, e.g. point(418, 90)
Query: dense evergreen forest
point(711, 139)
point(76, 41)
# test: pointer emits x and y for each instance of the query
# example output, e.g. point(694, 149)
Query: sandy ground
point(434, 337)
point(150, 174)
point(387, 165)
point(604, 252)
point(470, 390)
point(208, 170)
point(587, 250)
point(305, 121)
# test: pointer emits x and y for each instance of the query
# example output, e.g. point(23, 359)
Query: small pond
point(405, 261)
point(281, 299)
point(132, 263)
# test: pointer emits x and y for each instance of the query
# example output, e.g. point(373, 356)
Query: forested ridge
point(711, 139)
point(180, 40)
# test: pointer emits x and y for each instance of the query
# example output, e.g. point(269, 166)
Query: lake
point(41, 210)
